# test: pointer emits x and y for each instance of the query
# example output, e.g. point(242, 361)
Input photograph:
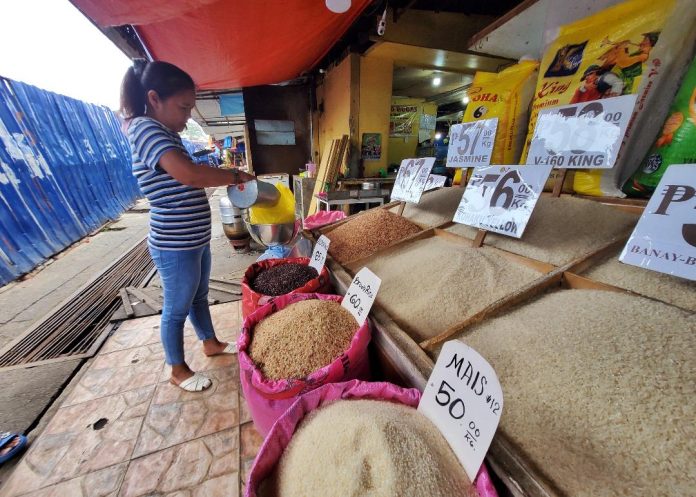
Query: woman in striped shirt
point(156, 102)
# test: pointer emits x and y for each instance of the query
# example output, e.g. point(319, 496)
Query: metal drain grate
point(75, 326)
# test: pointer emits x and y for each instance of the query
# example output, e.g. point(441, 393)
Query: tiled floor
point(125, 431)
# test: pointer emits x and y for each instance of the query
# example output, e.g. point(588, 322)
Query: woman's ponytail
point(164, 78)
point(133, 93)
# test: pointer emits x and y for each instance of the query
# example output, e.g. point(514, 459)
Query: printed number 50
point(456, 406)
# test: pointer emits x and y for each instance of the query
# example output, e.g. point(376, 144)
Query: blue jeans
point(184, 275)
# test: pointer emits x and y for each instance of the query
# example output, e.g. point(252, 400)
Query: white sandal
point(195, 383)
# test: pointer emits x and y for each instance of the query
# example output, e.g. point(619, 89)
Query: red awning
point(231, 44)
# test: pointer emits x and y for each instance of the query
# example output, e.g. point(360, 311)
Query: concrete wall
point(333, 105)
point(375, 103)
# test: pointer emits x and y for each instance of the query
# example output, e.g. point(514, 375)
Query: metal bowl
point(271, 235)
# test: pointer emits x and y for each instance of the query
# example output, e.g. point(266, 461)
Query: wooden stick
point(558, 186)
point(402, 206)
point(480, 237)
point(126, 303)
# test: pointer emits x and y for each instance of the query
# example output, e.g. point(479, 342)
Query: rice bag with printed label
point(505, 95)
point(675, 144)
point(605, 55)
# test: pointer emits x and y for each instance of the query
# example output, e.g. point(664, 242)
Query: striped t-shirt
point(179, 214)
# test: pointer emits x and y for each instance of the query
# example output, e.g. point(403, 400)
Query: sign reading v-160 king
point(586, 135)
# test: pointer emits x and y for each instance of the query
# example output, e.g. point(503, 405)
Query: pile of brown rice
point(367, 233)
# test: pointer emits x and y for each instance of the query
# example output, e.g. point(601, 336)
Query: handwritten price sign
point(502, 198)
point(318, 258)
point(361, 294)
point(471, 144)
point(463, 398)
point(411, 179)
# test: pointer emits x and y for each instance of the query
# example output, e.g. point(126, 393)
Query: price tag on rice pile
point(502, 198)
point(361, 294)
point(435, 181)
point(587, 135)
point(411, 179)
point(319, 253)
point(471, 144)
point(463, 398)
point(664, 239)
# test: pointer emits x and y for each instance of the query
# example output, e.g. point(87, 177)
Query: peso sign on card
point(502, 198)
point(471, 144)
point(411, 179)
point(464, 399)
point(586, 135)
point(664, 239)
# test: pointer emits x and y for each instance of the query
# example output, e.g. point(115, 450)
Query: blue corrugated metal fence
point(65, 169)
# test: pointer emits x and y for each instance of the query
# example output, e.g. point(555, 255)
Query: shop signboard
point(664, 239)
point(411, 179)
point(464, 399)
point(471, 144)
point(502, 198)
point(361, 294)
point(318, 258)
point(435, 181)
point(402, 120)
point(585, 135)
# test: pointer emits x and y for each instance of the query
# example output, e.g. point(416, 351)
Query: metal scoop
point(254, 192)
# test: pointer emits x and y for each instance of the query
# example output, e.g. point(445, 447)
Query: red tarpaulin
point(230, 44)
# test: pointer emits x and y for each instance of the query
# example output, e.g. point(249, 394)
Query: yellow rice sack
point(604, 55)
point(505, 95)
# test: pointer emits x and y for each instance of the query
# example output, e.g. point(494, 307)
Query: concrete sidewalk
point(27, 394)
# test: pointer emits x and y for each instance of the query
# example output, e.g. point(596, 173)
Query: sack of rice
point(295, 344)
point(675, 144)
point(359, 438)
point(637, 47)
point(270, 278)
point(505, 95)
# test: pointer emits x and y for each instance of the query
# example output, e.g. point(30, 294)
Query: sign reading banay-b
point(664, 239)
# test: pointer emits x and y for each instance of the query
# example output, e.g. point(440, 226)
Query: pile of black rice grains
point(282, 279)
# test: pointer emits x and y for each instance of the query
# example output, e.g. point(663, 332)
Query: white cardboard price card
point(319, 253)
point(435, 181)
point(361, 294)
point(502, 198)
point(463, 398)
point(411, 179)
point(471, 144)
point(586, 135)
point(664, 239)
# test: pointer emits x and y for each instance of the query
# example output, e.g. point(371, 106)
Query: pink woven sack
point(283, 430)
point(269, 399)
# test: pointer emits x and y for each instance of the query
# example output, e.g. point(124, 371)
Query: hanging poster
point(403, 120)
point(371, 148)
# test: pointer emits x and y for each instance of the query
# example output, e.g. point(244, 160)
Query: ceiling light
point(437, 80)
point(338, 6)
point(465, 100)
point(438, 135)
